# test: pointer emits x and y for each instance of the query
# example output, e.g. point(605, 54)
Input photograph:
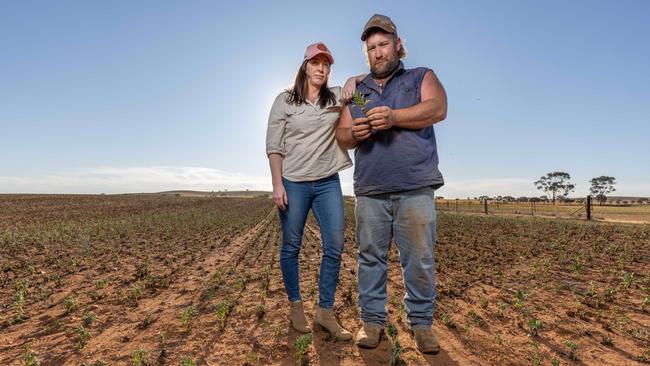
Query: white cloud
point(135, 179)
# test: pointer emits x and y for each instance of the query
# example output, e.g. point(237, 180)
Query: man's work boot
point(325, 318)
point(369, 335)
point(297, 316)
point(425, 340)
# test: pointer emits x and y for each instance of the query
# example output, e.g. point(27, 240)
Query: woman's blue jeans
point(325, 199)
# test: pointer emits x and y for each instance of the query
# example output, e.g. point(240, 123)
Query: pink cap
point(316, 49)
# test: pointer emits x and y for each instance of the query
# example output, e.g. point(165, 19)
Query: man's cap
point(316, 49)
point(378, 21)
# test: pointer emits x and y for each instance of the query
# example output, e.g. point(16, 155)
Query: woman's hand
point(280, 197)
point(348, 89)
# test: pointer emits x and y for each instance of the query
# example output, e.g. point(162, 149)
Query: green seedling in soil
point(555, 362)
point(19, 304)
point(83, 337)
point(626, 282)
point(606, 340)
point(537, 356)
point(101, 284)
point(99, 363)
point(148, 320)
point(222, 310)
point(187, 317)
point(396, 349)
point(216, 277)
point(260, 311)
point(139, 357)
point(448, 321)
point(502, 309)
point(300, 345)
point(535, 326)
point(572, 349)
point(29, 357)
point(89, 319)
point(137, 291)
point(240, 283)
point(70, 304)
point(520, 298)
point(187, 361)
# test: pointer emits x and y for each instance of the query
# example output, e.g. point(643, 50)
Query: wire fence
point(582, 209)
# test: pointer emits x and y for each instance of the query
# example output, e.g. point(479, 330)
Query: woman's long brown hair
point(298, 94)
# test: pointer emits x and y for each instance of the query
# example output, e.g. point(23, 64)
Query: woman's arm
point(279, 194)
point(350, 86)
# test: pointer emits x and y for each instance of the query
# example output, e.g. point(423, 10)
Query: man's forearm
point(421, 115)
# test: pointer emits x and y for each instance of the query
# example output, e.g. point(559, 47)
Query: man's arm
point(431, 109)
point(349, 132)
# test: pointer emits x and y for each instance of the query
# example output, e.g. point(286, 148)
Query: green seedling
point(84, 336)
point(300, 345)
point(360, 100)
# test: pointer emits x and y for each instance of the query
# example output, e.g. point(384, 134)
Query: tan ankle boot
point(369, 335)
point(325, 318)
point(297, 316)
point(425, 340)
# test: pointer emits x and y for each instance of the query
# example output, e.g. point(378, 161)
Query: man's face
point(382, 53)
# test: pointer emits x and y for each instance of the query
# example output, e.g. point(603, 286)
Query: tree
point(555, 183)
point(601, 186)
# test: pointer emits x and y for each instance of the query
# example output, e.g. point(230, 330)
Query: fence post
point(456, 204)
point(532, 208)
point(588, 207)
point(447, 204)
point(485, 206)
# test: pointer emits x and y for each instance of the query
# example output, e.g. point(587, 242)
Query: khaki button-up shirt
point(305, 137)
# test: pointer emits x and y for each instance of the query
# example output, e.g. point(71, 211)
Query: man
point(396, 173)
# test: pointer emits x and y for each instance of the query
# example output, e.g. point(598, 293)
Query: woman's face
point(317, 70)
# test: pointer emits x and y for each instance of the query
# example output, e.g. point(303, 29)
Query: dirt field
point(166, 280)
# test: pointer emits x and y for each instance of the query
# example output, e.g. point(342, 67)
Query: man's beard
point(387, 70)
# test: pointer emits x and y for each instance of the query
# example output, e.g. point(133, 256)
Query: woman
point(305, 160)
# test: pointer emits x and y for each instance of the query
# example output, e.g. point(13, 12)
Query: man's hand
point(381, 118)
point(348, 89)
point(280, 197)
point(360, 129)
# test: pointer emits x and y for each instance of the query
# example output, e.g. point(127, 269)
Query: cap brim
point(329, 57)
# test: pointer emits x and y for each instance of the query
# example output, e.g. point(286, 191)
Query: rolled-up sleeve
point(276, 126)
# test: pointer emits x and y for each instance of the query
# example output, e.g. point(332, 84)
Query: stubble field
point(165, 280)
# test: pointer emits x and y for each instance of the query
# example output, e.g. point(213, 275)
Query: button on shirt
point(305, 137)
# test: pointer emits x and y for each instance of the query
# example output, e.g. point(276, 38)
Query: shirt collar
point(369, 81)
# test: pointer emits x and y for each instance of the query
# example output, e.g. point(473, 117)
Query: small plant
point(222, 310)
point(626, 282)
point(137, 291)
point(147, 321)
point(260, 311)
point(572, 349)
point(101, 284)
point(607, 340)
point(502, 309)
point(396, 349)
point(360, 100)
point(187, 317)
point(138, 356)
point(448, 321)
point(535, 326)
point(300, 345)
point(83, 337)
point(555, 362)
point(29, 357)
point(520, 298)
point(216, 277)
point(89, 319)
point(187, 361)
point(70, 304)
point(240, 283)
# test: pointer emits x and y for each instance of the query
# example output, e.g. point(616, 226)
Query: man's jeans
point(325, 199)
point(410, 218)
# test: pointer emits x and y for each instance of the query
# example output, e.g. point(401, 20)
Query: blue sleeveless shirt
point(397, 159)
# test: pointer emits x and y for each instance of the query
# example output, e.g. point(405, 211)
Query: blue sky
point(145, 96)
